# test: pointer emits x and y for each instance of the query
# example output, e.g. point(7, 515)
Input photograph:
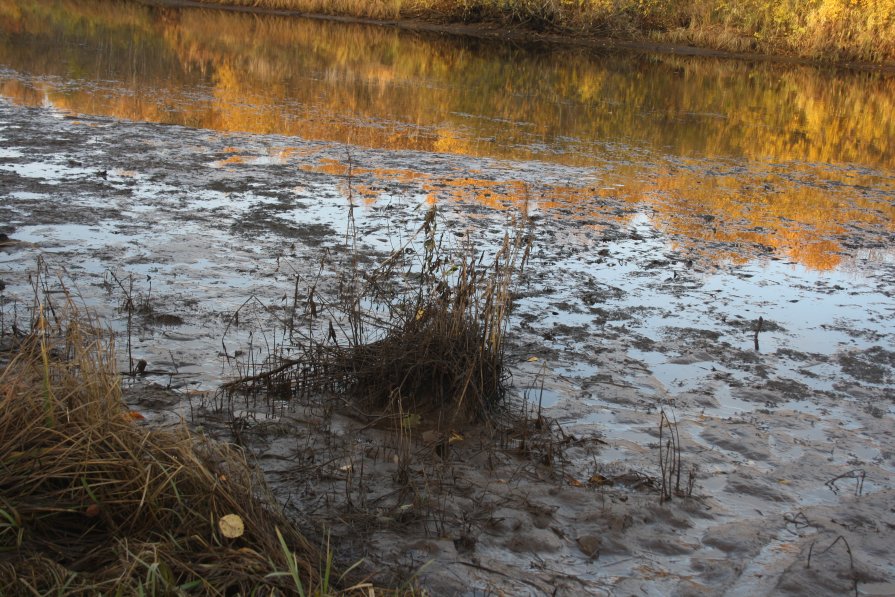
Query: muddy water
point(201, 160)
point(789, 158)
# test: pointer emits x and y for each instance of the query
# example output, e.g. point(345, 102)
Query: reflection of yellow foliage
point(767, 212)
point(327, 166)
point(447, 142)
point(720, 218)
point(368, 194)
point(375, 87)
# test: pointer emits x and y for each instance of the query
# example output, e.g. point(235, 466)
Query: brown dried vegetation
point(422, 333)
point(92, 502)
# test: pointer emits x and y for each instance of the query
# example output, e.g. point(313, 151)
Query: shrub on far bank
point(827, 30)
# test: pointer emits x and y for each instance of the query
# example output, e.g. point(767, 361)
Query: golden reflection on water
point(718, 218)
point(807, 154)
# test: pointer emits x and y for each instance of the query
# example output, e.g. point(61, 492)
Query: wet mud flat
point(779, 379)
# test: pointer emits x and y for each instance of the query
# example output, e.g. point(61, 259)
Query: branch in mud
point(851, 559)
point(670, 464)
point(857, 474)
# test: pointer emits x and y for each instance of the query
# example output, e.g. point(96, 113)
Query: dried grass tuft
point(91, 502)
point(422, 336)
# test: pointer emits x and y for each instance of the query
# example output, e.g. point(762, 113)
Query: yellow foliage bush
point(861, 30)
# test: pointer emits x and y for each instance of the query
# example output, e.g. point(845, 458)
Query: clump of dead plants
point(421, 333)
point(91, 502)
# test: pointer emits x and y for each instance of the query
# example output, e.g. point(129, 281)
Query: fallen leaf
point(92, 510)
point(231, 526)
point(792, 548)
point(410, 421)
point(599, 479)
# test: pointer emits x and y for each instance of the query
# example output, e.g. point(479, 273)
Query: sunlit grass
point(93, 503)
point(819, 29)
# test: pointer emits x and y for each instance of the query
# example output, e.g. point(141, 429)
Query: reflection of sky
point(819, 313)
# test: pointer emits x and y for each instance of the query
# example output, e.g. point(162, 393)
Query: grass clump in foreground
point(93, 503)
point(420, 336)
point(817, 29)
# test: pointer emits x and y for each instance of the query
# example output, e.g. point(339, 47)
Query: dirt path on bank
point(789, 438)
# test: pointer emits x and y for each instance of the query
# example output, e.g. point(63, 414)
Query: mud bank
point(785, 424)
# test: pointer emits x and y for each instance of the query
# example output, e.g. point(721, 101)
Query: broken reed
point(91, 502)
point(670, 465)
point(422, 333)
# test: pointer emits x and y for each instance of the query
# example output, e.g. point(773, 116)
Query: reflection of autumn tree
point(502, 101)
point(694, 107)
point(766, 211)
point(376, 87)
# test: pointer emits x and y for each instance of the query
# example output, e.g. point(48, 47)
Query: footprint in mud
point(745, 484)
point(747, 441)
point(743, 539)
point(534, 541)
point(6, 242)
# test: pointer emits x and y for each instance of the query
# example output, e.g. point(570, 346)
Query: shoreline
point(523, 35)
